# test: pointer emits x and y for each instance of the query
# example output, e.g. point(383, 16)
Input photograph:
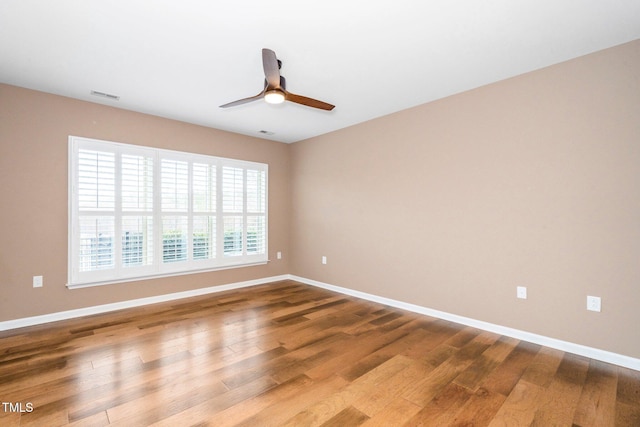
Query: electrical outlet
point(279, 255)
point(593, 303)
point(324, 259)
point(521, 292)
point(37, 281)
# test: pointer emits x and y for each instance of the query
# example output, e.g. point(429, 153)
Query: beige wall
point(34, 131)
point(533, 181)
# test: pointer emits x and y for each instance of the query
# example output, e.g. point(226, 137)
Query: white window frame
point(158, 267)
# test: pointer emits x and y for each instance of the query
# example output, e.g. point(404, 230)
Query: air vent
point(266, 132)
point(105, 95)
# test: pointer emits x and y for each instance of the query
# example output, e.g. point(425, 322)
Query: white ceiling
point(182, 59)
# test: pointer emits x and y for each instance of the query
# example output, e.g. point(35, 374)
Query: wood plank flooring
point(287, 354)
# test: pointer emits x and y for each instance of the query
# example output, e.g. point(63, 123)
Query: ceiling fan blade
point(271, 69)
point(309, 102)
point(243, 101)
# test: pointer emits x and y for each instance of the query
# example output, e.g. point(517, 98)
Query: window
point(139, 212)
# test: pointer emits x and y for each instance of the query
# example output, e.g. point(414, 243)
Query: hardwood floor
point(286, 354)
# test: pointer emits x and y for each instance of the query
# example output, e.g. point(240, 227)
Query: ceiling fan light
point(274, 97)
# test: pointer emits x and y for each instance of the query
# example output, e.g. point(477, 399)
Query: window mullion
point(74, 214)
point(245, 221)
point(219, 213)
point(117, 213)
point(190, 211)
point(157, 213)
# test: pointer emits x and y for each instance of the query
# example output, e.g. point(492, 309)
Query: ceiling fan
point(275, 91)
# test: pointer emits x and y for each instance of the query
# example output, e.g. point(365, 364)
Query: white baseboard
point(590, 352)
point(593, 353)
point(88, 311)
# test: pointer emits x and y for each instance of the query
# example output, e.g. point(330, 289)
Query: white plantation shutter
point(137, 240)
point(96, 210)
point(175, 185)
point(232, 204)
point(174, 190)
point(256, 191)
point(175, 229)
point(139, 212)
point(96, 180)
point(204, 229)
point(204, 188)
point(256, 234)
point(137, 232)
point(204, 237)
point(137, 183)
point(96, 242)
point(232, 189)
point(256, 211)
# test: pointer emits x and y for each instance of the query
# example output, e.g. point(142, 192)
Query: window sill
point(159, 276)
